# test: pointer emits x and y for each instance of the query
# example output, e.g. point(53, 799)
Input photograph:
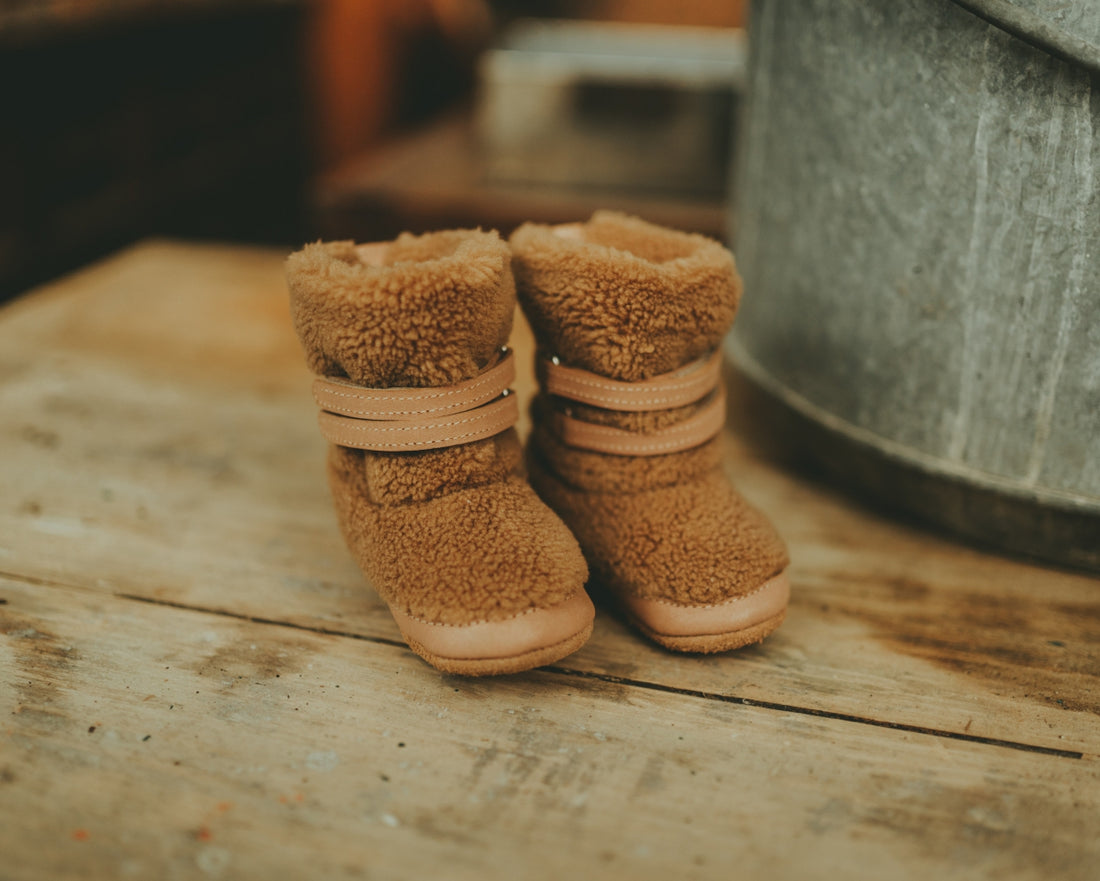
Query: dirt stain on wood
point(44, 664)
point(31, 508)
point(1047, 653)
point(247, 660)
point(43, 438)
point(982, 824)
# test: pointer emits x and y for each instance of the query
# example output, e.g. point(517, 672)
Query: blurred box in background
point(602, 104)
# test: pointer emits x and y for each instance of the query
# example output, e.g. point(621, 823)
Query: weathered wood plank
point(145, 741)
point(159, 441)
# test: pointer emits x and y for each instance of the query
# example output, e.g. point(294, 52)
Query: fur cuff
point(418, 312)
point(624, 298)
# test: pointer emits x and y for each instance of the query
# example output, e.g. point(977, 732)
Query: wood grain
point(159, 442)
point(148, 741)
point(195, 681)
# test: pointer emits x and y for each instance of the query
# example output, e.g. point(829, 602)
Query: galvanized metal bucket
point(918, 226)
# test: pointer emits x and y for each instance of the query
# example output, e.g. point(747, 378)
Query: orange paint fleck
point(224, 806)
point(203, 834)
point(283, 799)
point(299, 797)
point(80, 835)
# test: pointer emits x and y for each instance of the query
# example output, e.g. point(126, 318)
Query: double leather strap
point(407, 419)
point(697, 382)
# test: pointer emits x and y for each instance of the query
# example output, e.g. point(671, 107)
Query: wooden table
point(195, 682)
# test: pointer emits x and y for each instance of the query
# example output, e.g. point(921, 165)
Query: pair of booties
point(481, 556)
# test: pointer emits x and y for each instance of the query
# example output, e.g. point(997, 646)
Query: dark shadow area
point(180, 120)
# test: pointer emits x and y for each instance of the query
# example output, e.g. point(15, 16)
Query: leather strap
point(424, 433)
point(679, 388)
point(407, 419)
point(676, 389)
point(692, 432)
point(342, 396)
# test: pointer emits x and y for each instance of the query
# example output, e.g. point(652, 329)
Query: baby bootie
point(628, 318)
point(408, 341)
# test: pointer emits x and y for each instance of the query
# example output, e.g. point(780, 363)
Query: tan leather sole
point(502, 666)
point(490, 648)
point(722, 627)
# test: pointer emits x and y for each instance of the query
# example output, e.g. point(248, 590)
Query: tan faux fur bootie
point(407, 339)
point(628, 318)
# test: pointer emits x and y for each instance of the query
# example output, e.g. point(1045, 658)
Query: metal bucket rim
point(1036, 30)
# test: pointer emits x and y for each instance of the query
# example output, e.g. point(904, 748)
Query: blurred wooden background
point(217, 118)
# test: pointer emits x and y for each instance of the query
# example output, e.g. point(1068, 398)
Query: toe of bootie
point(718, 627)
point(480, 582)
point(693, 565)
point(486, 648)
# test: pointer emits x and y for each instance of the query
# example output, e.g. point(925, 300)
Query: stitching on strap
point(685, 435)
point(366, 435)
point(494, 381)
point(673, 389)
point(483, 405)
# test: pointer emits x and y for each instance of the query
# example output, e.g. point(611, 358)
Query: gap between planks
point(586, 674)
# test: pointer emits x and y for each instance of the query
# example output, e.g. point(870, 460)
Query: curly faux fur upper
point(622, 297)
point(453, 535)
point(420, 311)
point(629, 300)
